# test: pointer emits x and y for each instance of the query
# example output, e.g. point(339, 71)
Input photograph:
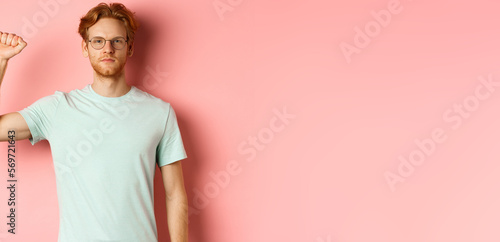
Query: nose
point(108, 48)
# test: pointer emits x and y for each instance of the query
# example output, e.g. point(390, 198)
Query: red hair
point(114, 10)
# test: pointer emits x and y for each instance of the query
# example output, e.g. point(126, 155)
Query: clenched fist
point(10, 45)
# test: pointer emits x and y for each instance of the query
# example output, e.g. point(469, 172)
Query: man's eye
point(97, 41)
point(118, 41)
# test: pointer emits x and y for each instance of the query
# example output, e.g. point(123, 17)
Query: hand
point(10, 45)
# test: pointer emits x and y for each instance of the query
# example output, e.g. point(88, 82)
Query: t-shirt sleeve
point(171, 148)
point(39, 116)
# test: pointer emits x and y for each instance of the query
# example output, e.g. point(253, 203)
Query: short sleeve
point(170, 148)
point(39, 116)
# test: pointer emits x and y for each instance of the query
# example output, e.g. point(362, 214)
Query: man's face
point(107, 61)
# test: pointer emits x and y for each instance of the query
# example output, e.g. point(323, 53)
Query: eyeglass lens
point(99, 42)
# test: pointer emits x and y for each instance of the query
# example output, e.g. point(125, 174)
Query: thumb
point(21, 44)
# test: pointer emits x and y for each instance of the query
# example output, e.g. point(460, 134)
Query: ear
point(85, 50)
point(131, 50)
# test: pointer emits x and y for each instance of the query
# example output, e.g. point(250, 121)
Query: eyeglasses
point(99, 42)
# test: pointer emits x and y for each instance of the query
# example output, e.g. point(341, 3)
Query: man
point(106, 139)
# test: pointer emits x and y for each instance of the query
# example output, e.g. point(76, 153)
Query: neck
point(110, 86)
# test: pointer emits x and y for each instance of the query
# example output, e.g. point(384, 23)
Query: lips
point(107, 60)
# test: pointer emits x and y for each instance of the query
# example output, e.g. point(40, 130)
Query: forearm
point(177, 217)
point(3, 67)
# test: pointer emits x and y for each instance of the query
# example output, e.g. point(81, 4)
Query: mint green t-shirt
point(105, 151)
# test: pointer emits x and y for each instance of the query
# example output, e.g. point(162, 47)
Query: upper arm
point(14, 121)
point(173, 180)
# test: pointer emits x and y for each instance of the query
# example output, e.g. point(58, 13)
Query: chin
point(107, 72)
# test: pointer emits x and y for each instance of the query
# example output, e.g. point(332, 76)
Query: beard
point(105, 69)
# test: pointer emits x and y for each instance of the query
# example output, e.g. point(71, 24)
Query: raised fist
point(10, 45)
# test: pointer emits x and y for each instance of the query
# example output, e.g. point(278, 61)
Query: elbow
point(179, 195)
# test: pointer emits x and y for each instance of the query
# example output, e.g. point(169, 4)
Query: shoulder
point(58, 95)
point(150, 100)
point(51, 99)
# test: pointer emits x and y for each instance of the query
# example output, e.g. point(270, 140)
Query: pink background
point(321, 177)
